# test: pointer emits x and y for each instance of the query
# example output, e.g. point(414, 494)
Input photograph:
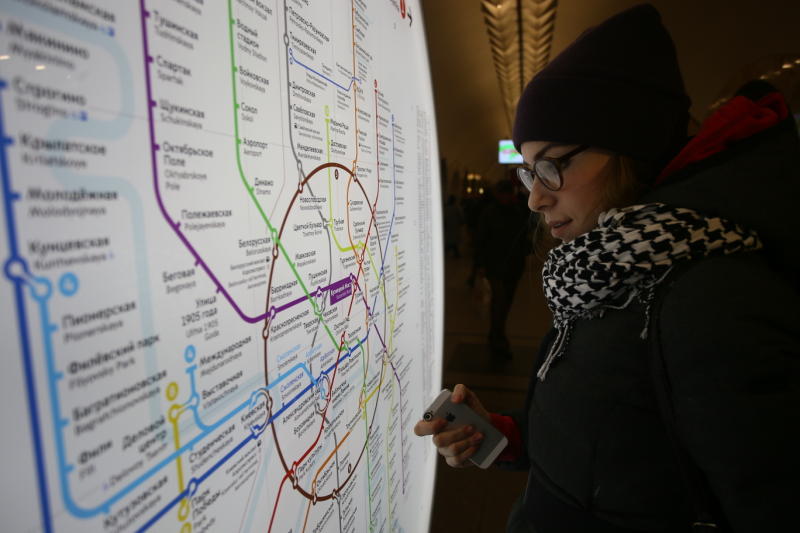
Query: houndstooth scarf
point(626, 256)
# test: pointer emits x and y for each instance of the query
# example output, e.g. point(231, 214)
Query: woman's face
point(573, 209)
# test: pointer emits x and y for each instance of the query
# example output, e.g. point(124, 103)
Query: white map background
point(222, 287)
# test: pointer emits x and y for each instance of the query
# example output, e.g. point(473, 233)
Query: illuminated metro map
point(222, 265)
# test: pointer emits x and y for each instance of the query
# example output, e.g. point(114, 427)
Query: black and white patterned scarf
point(625, 257)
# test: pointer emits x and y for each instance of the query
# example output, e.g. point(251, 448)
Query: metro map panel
point(222, 265)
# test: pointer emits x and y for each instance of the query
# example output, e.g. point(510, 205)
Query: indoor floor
point(470, 500)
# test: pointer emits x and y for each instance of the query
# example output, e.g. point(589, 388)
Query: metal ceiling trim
point(520, 37)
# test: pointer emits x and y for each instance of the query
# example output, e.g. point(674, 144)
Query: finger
point(457, 448)
point(460, 460)
point(431, 427)
point(443, 439)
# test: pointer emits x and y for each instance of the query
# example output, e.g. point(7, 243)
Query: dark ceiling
point(717, 41)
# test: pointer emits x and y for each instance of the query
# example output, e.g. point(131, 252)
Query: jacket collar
point(739, 119)
point(744, 166)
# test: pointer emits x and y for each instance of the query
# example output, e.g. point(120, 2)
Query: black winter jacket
point(729, 330)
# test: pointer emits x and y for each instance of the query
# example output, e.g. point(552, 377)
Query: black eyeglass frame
point(527, 175)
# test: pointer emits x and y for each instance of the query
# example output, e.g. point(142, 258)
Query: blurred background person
point(502, 243)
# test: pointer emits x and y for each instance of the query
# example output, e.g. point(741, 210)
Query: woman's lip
point(555, 229)
point(555, 223)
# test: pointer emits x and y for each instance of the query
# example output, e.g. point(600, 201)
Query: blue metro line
point(353, 79)
point(60, 423)
point(256, 430)
point(41, 290)
point(48, 329)
point(293, 59)
point(17, 262)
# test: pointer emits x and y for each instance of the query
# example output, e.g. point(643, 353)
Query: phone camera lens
point(427, 416)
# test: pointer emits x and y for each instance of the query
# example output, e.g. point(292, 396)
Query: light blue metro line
point(193, 485)
point(59, 423)
point(48, 329)
point(194, 398)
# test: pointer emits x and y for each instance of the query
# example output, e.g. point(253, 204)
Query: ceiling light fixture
point(520, 36)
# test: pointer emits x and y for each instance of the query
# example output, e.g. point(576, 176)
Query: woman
point(667, 395)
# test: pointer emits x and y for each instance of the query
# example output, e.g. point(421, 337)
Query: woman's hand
point(459, 444)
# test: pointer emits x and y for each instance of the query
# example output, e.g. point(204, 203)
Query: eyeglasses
point(548, 170)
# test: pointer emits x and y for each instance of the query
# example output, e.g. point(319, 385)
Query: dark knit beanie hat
point(617, 87)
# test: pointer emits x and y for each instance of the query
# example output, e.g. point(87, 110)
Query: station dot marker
point(172, 391)
point(183, 510)
point(42, 289)
point(68, 284)
point(189, 353)
point(192, 487)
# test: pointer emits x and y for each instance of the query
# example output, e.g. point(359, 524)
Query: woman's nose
point(539, 197)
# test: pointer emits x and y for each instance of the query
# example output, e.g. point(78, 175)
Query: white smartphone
point(460, 414)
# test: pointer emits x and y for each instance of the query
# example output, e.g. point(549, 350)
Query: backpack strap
point(696, 486)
